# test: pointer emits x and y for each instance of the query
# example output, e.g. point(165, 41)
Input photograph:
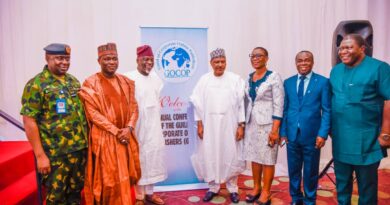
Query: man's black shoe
point(234, 197)
point(209, 196)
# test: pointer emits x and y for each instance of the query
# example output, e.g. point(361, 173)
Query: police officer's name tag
point(61, 106)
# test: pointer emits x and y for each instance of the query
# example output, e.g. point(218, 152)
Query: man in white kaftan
point(148, 129)
point(218, 99)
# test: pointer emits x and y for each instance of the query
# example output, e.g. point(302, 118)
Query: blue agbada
point(358, 95)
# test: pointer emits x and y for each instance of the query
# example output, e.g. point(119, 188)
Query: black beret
point(57, 49)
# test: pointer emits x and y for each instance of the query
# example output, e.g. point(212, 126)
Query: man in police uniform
point(56, 127)
point(360, 119)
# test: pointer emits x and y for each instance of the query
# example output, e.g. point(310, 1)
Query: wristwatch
point(385, 137)
point(242, 124)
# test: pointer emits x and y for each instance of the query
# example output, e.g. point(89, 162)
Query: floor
point(326, 194)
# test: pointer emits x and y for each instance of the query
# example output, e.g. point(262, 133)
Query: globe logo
point(176, 61)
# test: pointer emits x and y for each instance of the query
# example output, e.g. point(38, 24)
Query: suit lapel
point(294, 86)
point(247, 91)
point(260, 90)
point(310, 87)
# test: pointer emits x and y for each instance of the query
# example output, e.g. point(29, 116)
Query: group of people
point(98, 136)
point(105, 135)
point(352, 107)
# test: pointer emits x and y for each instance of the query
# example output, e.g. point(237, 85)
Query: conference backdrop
point(180, 60)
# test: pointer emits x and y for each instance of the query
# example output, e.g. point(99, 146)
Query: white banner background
point(180, 60)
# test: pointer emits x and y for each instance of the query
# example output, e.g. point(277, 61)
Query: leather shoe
point(209, 196)
point(234, 197)
point(299, 202)
point(154, 199)
point(251, 198)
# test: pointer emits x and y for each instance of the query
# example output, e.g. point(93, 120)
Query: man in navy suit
point(305, 126)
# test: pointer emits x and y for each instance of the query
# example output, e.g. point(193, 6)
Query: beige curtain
point(284, 27)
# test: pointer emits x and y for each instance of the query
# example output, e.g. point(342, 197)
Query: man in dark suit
point(305, 126)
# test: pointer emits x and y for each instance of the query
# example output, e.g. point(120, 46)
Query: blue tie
point(301, 87)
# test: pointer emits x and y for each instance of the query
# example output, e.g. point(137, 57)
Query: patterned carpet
point(326, 193)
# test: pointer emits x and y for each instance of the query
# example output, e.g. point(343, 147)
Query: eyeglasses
point(253, 56)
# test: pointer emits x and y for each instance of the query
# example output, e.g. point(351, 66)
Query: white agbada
point(219, 104)
point(148, 128)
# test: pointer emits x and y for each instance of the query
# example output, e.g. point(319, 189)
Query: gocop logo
point(176, 61)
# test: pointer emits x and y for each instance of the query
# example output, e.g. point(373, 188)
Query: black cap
point(57, 49)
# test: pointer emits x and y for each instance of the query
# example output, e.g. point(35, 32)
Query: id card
point(61, 106)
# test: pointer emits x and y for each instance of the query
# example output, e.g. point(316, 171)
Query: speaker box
point(362, 27)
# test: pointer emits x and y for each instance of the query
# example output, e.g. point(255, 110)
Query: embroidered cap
point(219, 52)
point(107, 49)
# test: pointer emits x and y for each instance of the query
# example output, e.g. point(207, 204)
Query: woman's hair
point(263, 49)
